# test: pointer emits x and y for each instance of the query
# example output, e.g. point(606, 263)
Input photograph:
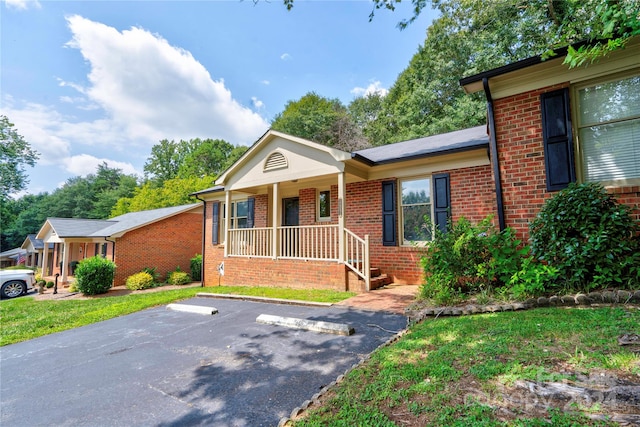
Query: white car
point(16, 282)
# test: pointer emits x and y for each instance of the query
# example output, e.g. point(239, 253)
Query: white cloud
point(152, 90)
point(23, 4)
point(256, 102)
point(39, 125)
point(285, 57)
point(85, 164)
point(373, 88)
point(266, 82)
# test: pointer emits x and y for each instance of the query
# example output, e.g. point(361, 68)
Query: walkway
point(391, 298)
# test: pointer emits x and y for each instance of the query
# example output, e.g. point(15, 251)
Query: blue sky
point(87, 82)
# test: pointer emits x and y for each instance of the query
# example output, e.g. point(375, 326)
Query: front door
point(290, 211)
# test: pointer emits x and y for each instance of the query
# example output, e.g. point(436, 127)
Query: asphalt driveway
point(165, 368)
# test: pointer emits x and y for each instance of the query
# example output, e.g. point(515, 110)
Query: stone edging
point(590, 299)
point(316, 397)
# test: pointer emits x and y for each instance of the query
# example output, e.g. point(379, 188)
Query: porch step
point(379, 281)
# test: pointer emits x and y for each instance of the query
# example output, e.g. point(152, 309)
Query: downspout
point(204, 233)
point(113, 252)
point(493, 145)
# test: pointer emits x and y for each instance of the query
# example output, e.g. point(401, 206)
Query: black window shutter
point(251, 206)
point(389, 214)
point(215, 223)
point(441, 200)
point(557, 139)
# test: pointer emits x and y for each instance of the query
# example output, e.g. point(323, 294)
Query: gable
point(280, 158)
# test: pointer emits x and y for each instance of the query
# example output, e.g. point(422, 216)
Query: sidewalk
point(391, 298)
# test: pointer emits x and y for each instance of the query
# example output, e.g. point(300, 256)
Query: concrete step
point(380, 281)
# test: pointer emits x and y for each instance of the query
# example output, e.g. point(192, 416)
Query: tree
point(173, 192)
point(189, 159)
point(208, 157)
point(15, 153)
point(164, 161)
point(602, 25)
point(322, 120)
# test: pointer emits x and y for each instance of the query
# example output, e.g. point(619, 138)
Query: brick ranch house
point(163, 238)
point(550, 125)
point(291, 212)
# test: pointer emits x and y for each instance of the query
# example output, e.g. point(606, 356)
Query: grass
point(25, 318)
point(455, 371)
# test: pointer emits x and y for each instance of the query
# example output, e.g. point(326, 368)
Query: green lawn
point(25, 318)
point(456, 371)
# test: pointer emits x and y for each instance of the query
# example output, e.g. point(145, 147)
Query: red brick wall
point(521, 155)
point(472, 196)
point(260, 211)
point(165, 245)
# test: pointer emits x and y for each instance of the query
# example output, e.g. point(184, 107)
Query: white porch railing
point(357, 255)
point(250, 242)
point(312, 242)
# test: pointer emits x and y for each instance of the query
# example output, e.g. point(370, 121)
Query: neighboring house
point(12, 257)
point(35, 251)
point(162, 238)
point(291, 212)
point(551, 125)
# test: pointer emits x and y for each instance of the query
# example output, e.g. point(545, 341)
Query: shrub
point(469, 259)
point(142, 280)
point(588, 237)
point(153, 271)
point(178, 277)
point(50, 285)
point(196, 268)
point(95, 275)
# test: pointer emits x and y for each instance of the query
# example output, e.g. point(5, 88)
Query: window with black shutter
point(557, 139)
point(215, 223)
point(441, 201)
point(389, 214)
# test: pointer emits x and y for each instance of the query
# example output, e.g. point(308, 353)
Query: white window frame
point(579, 127)
point(401, 210)
point(319, 216)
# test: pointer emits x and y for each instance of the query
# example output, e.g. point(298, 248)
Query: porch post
point(341, 215)
point(227, 221)
point(45, 259)
point(274, 219)
point(65, 258)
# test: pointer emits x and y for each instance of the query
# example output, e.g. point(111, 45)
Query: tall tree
point(15, 154)
point(188, 159)
point(322, 120)
point(164, 161)
point(173, 192)
point(208, 157)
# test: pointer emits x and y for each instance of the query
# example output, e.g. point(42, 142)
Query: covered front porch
point(283, 210)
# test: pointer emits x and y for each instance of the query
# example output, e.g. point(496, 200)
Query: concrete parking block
point(308, 325)
point(197, 309)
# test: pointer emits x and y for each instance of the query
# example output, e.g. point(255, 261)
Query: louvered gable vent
point(276, 160)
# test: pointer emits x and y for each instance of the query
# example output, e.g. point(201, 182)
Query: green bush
point(153, 271)
point(196, 268)
point(178, 277)
point(468, 259)
point(142, 280)
point(94, 275)
point(588, 237)
point(50, 285)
